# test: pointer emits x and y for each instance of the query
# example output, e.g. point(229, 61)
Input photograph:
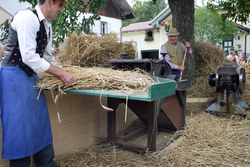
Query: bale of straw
point(207, 59)
point(128, 82)
point(246, 95)
point(88, 50)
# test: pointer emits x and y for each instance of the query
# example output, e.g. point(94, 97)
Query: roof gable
point(161, 16)
point(138, 27)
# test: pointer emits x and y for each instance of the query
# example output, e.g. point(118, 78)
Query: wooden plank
point(200, 100)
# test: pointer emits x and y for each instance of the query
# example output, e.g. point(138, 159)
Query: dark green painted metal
point(164, 88)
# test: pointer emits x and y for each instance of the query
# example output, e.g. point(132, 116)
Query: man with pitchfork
point(175, 52)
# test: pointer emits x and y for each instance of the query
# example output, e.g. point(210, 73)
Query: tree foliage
point(146, 10)
point(4, 27)
point(68, 21)
point(237, 10)
point(209, 26)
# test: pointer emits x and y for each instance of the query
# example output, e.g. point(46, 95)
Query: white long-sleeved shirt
point(26, 24)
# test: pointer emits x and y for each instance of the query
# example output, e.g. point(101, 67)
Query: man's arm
point(65, 76)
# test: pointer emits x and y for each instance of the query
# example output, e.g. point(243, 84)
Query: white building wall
point(239, 43)
point(138, 37)
point(114, 25)
point(8, 8)
point(4, 15)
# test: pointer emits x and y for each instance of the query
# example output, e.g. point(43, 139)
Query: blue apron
point(25, 120)
point(176, 72)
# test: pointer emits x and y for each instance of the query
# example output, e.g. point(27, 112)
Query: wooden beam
point(200, 100)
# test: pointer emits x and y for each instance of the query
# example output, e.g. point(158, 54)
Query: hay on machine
point(128, 82)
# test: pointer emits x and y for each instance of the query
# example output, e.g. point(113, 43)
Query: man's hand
point(187, 44)
point(181, 68)
point(65, 76)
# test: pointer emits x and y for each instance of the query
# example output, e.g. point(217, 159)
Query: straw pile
point(88, 50)
point(207, 59)
point(248, 70)
point(127, 82)
point(206, 141)
point(246, 95)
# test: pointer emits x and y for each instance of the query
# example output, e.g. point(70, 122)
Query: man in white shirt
point(233, 57)
point(25, 120)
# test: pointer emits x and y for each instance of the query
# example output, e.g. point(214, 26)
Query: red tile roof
point(241, 26)
point(137, 27)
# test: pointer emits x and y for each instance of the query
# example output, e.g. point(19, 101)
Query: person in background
point(248, 60)
point(173, 50)
point(233, 57)
point(26, 129)
point(241, 60)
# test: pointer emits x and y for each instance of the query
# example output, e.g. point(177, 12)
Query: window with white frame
point(104, 27)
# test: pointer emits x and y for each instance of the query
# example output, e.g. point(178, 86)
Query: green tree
point(67, 21)
point(146, 10)
point(209, 26)
point(237, 10)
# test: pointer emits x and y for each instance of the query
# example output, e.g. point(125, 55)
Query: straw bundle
point(100, 78)
point(88, 50)
point(207, 59)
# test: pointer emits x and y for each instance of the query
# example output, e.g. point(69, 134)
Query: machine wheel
point(162, 70)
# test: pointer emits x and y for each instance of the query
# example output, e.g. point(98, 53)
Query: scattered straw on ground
point(207, 140)
point(88, 50)
point(127, 82)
